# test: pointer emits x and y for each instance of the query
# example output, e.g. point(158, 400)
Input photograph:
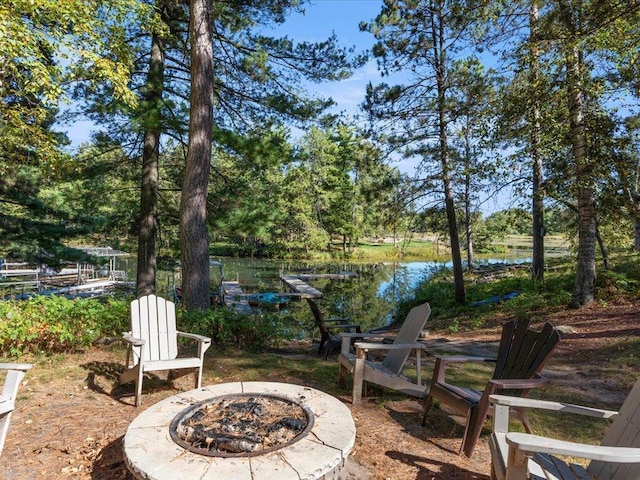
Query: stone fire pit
point(156, 446)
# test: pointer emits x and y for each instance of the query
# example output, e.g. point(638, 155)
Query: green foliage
point(333, 186)
point(514, 221)
point(57, 324)
point(490, 282)
point(52, 45)
point(229, 329)
point(617, 282)
point(483, 285)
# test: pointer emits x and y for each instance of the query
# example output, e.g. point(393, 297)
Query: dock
point(331, 276)
point(13, 269)
point(302, 289)
point(89, 289)
point(235, 298)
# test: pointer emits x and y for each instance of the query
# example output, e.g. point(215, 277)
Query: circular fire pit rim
point(151, 454)
point(184, 414)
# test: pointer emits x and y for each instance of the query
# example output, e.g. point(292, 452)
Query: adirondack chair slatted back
point(15, 374)
point(506, 344)
point(409, 332)
point(523, 352)
point(624, 431)
point(153, 319)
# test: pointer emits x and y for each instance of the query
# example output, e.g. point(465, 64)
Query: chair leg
point(198, 377)
point(322, 342)
point(342, 373)
point(475, 423)
point(358, 377)
point(139, 385)
point(330, 346)
point(4, 427)
point(517, 465)
point(465, 435)
point(525, 421)
point(427, 407)
point(493, 473)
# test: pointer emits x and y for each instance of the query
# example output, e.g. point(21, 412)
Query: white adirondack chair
point(153, 343)
point(520, 456)
point(15, 374)
point(389, 372)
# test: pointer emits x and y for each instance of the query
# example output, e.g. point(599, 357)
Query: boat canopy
point(102, 251)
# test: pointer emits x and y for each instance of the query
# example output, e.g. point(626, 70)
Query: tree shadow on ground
point(109, 464)
point(439, 425)
point(429, 469)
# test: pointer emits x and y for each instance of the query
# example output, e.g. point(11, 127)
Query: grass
point(406, 251)
point(420, 247)
point(610, 366)
point(532, 300)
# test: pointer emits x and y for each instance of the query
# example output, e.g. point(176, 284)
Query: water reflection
point(370, 300)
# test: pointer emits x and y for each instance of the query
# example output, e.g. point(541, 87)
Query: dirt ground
point(71, 425)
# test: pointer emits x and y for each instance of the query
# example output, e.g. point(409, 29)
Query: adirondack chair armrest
point(23, 367)
point(524, 402)
point(529, 444)
point(345, 326)
point(388, 346)
point(136, 342)
point(363, 335)
point(462, 358)
point(363, 347)
point(203, 342)
point(347, 337)
point(193, 336)
point(341, 324)
point(337, 320)
point(518, 383)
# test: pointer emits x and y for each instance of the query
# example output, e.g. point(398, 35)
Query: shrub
point(229, 329)
point(57, 324)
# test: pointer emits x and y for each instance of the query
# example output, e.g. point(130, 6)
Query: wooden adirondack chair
point(520, 456)
point(521, 356)
point(153, 343)
point(15, 374)
point(389, 372)
point(329, 340)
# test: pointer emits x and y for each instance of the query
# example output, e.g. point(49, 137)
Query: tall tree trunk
point(467, 225)
point(585, 281)
point(193, 205)
point(628, 178)
point(537, 208)
point(603, 249)
point(440, 65)
point(148, 222)
point(467, 198)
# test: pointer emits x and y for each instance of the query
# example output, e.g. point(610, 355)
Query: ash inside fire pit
point(241, 425)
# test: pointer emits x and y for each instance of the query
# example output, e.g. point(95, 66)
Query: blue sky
point(320, 20)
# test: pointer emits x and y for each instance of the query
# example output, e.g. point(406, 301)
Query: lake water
point(370, 299)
